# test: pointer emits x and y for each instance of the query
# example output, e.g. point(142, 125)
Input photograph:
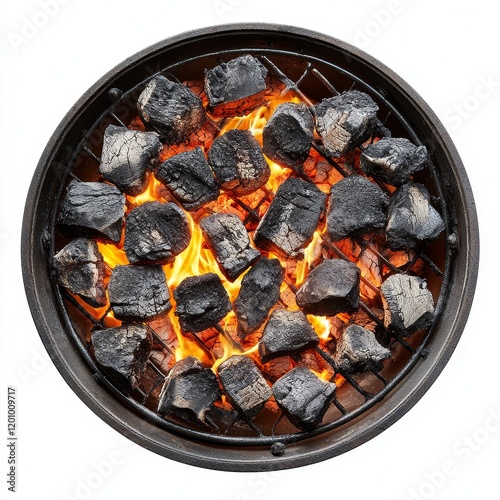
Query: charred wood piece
point(171, 109)
point(330, 288)
point(290, 221)
point(138, 293)
point(126, 157)
point(411, 219)
point(303, 397)
point(94, 209)
point(357, 206)
point(122, 354)
point(287, 136)
point(238, 162)
point(189, 177)
point(244, 385)
point(228, 239)
point(345, 121)
point(156, 232)
point(286, 333)
point(201, 302)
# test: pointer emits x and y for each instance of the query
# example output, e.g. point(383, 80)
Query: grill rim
point(68, 360)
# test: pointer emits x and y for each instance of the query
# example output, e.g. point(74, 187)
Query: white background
point(449, 53)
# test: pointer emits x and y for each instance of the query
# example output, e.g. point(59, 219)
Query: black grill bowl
point(188, 54)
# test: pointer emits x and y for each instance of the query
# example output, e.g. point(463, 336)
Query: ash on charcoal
point(288, 135)
point(260, 290)
point(345, 121)
point(291, 219)
point(93, 209)
point(79, 267)
point(330, 288)
point(408, 304)
point(189, 177)
point(286, 333)
point(228, 239)
point(171, 109)
point(156, 232)
point(138, 293)
point(393, 160)
point(126, 157)
point(303, 397)
point(189, 390)
point(238, 162)
point(411, 219)
point(244, 385)
point(201, 302)
point(358, 350)
point(235, 80)
point(122, 354)
point(357, 206)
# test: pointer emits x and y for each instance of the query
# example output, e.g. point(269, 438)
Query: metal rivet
point(278, 449)
point(114, 94)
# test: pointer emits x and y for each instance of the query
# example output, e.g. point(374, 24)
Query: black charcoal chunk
point(189, 178)
point(138, 293)
point(357, 206)
point(79, 267)
point(244, 385)
point(290, 221)
point(260, 290)
point(358, 350)
point(201, 302)
point(93, 209)
point(171, 109)
point(156, 232)
point(235, 80)
point(122, 354)
point(411, 219)
point(126, 157)
point(330, 288)
point(227, 238)
point(286, 333)
point(408, 304)
point(345, 121)
point(238, 162)
point(303, 397)
point(287, 136)
point(190, 390)
point(393, 160)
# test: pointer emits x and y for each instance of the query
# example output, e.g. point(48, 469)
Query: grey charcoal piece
point(138, 293)
point(358, 350)
point(201, 302)
point(411, 219)
point(287, 136)
point(235, 80)
point(244, 385)
point(190, 390)
point(94, 209)
point(260, 290)
point(189, 177)
point(171, 109)
point(79, 267)
point(286, 333)
point(122, 354)
point(126, 157)
point(408, 304)
point(345, 121)
point(238, 162)
point(393, 160)
point(303, 397)
point(227, 238)
point(330, 288)
point(357, 206)
point(156, 232)
point(290, 221)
